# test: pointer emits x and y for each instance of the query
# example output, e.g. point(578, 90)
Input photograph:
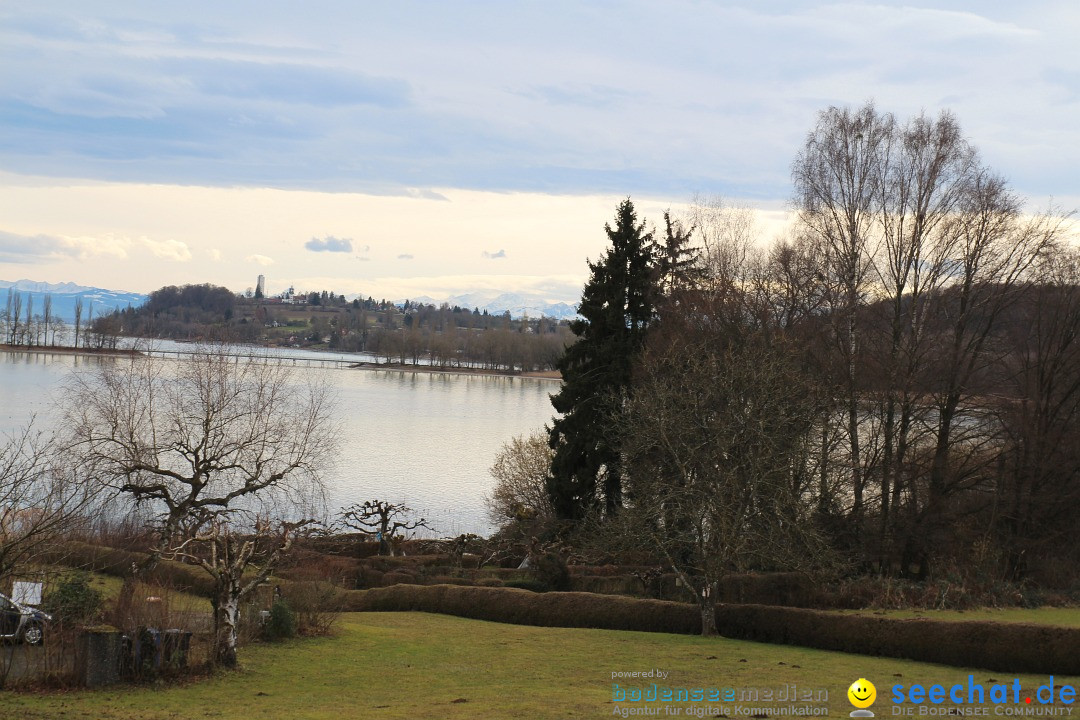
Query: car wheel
point(33, 634)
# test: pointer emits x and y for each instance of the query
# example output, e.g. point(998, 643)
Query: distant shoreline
point(408, 367)
point(122, 352)
point(68, 350)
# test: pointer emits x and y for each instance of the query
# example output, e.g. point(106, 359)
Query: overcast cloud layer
point(418, 100)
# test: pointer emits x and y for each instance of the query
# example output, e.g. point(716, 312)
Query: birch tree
point(838, 191)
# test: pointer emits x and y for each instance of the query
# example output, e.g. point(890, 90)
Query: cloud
point(260, 259)
point(329, 244)
point(174, 250)
point(405, 256)
point(591, 96)
point(498, 255)
point(107, 245)
point(289, 83)
point(424, 194)
point(15, 248)
point(214, 254)
point(720, 95)
point(553, 288)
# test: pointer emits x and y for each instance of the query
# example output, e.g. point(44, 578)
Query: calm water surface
point(425, 439)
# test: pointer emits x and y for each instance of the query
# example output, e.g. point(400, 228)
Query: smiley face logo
point(862, 693)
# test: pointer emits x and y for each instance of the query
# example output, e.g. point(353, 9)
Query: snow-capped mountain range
point(496, 303)
point(65, 294)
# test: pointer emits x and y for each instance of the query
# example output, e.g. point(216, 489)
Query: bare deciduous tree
point(196, 440)
point(838, 187)
point(42, 498)
point(715, 434)
point(1035, 505)
point(727, 235)
point(14, 314)
point(239, 557)
point(520, 472)
point(996, 247)
point(924, 182)
point(78, 318)
point(47, 318)
point(383, 519)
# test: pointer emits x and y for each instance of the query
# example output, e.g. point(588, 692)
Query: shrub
point(306, 565)
point(398, 578)
point(551, 571)
point(72, 601)
point(315, 605)
point(282, 622)
point(369, 578)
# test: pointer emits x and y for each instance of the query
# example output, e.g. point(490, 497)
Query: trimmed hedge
point(118, 563)
point(522, 607)
point(1004, 647)
point(405, 563)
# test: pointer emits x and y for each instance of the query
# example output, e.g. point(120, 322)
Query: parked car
point(22, 623)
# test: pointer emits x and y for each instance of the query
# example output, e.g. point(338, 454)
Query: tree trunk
point(226, 619)
point(886, 482)
point(853, 420)
point(708, 615)
point(706, 601)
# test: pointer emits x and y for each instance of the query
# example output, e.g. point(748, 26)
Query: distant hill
point(65, 294)
point(496, 303)
point(105, 301)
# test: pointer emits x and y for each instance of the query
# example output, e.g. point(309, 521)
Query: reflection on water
point(425, 439)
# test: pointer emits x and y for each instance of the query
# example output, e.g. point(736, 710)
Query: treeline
point(22, 324)
point(185, 312)
point(31, 321)
point(900, 376)
point(450, 337)
point(415, 333)
point(498, 349)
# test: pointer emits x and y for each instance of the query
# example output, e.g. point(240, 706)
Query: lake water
point(424, 439)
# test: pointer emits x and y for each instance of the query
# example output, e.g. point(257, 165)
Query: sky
point(435, 148)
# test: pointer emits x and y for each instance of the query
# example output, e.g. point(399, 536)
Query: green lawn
point(414, 665)
point(109, 586)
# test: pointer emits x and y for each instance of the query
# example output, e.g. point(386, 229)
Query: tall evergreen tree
point(678, 263)
point(617, 306)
